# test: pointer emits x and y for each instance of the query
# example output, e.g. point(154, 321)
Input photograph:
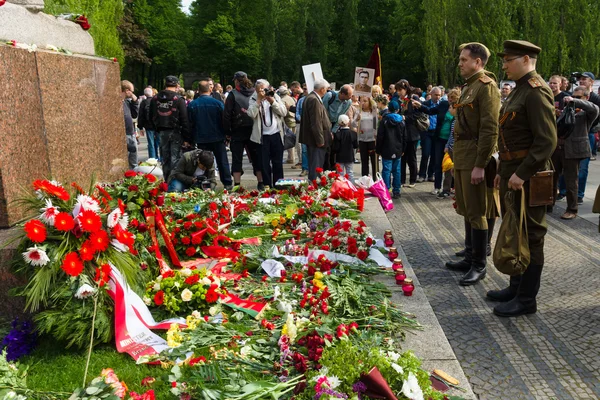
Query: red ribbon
point(160, 224)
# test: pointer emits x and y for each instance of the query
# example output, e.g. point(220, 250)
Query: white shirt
point(269, 122)
point(199, 172)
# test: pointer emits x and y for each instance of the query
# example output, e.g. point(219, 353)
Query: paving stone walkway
point(554, 354)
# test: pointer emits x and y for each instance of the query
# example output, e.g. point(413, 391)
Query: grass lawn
point(54, 368)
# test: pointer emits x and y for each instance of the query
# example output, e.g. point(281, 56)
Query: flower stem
point(89, 356)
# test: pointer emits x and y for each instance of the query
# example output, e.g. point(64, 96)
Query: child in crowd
point(345, 141)
point(390, 143)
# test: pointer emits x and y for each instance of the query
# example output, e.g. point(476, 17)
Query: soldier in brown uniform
point(527, 140)
point(475, 135)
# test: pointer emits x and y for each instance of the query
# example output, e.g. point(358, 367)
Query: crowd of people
point(481, 141)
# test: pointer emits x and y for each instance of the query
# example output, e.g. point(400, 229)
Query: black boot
point(508, 293)
point(524, 302)
point(463, 265)
point(461, 253)
point(477, 271)
point(491, 223)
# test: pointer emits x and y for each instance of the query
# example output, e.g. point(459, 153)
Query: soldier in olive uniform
point(527, 141)
point(475, 135)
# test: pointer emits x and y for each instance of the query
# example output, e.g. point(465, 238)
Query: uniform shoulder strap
point(535, 82)
point(485, 79)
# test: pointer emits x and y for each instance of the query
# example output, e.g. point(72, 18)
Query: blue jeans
point(426, 167)
point(592, 137)
point(391, 167)
point(153, 144)
point(304, 158)
point(583, 174)
point(438, 156)
point(177, 186)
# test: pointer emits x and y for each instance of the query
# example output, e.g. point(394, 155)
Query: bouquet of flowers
point(78, 19)
point(67, 253)
point(184, 291)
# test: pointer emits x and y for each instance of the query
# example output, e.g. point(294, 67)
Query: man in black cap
point(169, 115)
point(527, 139)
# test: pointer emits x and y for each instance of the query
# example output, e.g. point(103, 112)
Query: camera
point(574, 78)
point(269, 92)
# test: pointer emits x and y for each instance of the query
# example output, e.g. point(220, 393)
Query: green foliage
point(104, 17)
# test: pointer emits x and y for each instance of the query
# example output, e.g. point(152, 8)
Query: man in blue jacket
point(206, 123)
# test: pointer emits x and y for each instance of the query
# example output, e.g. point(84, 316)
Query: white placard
point(312, 72)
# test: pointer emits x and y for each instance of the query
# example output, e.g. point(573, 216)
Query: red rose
point(369, 241)
point(213, 206)
point(163, 186)
point(362, 255)
point(153, 192)
point(186, 240)
point(151, 178)
point(319, 170)
point(192, 279)
point(160, 201)
point(133, 188)
point(352, 249)
point(130, 174)
point(159, 298)
point(190, 251)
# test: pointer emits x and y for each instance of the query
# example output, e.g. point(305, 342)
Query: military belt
point(513, 155)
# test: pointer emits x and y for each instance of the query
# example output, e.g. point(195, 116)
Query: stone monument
point(61, 116)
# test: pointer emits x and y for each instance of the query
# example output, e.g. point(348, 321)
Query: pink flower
point(109, 376)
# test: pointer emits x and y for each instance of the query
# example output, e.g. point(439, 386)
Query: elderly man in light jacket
point(268, 111)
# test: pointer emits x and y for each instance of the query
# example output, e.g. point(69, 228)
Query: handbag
point(289, 139)
point(511, 253)
point(447, 163)
point(422, 121)
point(381, 191)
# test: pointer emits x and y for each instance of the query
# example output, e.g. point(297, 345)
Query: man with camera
point(196, 169)
point(571, 148)
point(268, 111)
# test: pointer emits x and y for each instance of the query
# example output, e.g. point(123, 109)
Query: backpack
point(565, 123)
point(241, 119)
point(167, 112)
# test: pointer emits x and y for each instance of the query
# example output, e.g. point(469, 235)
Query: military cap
point(520, 48)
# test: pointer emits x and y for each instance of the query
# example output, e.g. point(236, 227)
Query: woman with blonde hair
point(376, 91)
point(367, 134)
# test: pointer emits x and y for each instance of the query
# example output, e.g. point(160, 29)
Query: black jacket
point(144, 120)
point(391, 137)
point(412, 132)
point(178, 102)
point(344, 142)
point(186, 167)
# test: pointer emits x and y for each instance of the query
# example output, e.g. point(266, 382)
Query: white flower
point(206, 281)
point(393, 356)
point(85, 202)
point(196, 314)
point(156, 287)
point(397, 368)
point(292, 331)
point(185, 272)
point(186, 295)
point(113, 218)
point(284, 306)
point(151, 161)
point(276, 293)
point(334, 381)
point(51, 47)
point(216, 280)
point(147, 301)
point(120, 247)
point(49, 212)
point(411, 388)
point(36, 256)
point(176, 284)
point(85, 291)
point(213, 310)
point(159, 278)
point(256, 218)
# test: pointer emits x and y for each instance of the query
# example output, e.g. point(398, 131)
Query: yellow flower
point(318, 283)
point(275, 223)
point(191, 322)
point(318, 275)
point(284, 330)
point(174, 337)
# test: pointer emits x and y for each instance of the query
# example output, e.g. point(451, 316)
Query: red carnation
point(211, 296)
point(196, 360)
point(130, 174)
point(89, 221)
point(102, 275)
point(362, 255)
point(190, 251)
point(35, 230)
point(159, 298)
point(192, 279)
point(168, 274)
point(187, 225)
point(213, 206)
point(319, 170)
point(352, 249)
point(72, 264)
point(369, 241)
point(163, 186)
point(133, 188)
point(153, 192)
point(186, 240)
point(99, 241)
point(151, 178)
point(64, 222)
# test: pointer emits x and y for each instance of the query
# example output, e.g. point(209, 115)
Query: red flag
point(375, 63)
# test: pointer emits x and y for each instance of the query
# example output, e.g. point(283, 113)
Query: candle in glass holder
point(388, 240)
point(392, 253)
point(397, 264)
point(400, 277)
point(408, 287)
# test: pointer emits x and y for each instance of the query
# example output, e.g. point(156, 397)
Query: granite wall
point(61, 117)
